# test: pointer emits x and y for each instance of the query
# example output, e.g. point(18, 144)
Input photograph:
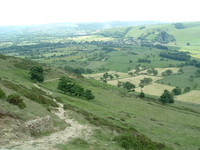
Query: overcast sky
point(22, 12)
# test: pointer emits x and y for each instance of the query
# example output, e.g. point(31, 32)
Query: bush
point(128, 141)
point(2, 94)
point(139, 142)
point(16, 100)
point(142, 95)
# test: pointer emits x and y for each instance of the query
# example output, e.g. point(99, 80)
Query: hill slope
point(114, 114)
point(186, 34)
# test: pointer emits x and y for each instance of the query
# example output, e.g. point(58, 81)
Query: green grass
point(182, 80)
point(120, 60)
point(166, 124)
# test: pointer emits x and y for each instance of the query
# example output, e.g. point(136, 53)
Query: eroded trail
point(48, 142)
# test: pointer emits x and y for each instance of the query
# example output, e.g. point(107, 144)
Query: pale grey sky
point(22, 12)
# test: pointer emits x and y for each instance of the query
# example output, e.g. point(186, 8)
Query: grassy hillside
point(114, 111)
point(122, 110)
point(15, 79)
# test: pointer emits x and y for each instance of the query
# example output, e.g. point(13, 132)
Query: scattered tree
point(131, 74)
point(145, 81)
point(167, 72)
point(126, 85)
point(117, 76)
point(177, 91)
point(111, 77)
point(105, 75)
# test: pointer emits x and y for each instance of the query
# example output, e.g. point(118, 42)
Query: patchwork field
point(134, 80)
point(192, 96)
point(154, 89)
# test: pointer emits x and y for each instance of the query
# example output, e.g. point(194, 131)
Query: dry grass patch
point(134, 80)
point(192, 96)
point(155, 89)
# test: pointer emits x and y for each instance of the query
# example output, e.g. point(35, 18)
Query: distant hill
point(69, 28)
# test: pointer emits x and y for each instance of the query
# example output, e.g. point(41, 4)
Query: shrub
point(142, 95)
point(128, 141)
point(16, 100)
point(2, 94)
point(139, 142)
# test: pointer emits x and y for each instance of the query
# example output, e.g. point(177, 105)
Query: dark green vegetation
point(16, 100)
point(68, 86)
point(166, 97)
point(37, 73)
point(126, 85)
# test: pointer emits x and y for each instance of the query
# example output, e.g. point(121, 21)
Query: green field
point(183, 80)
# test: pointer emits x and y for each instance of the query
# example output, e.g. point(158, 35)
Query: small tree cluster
point(69, 87)
point(166, 97)
point(37, 73)
point(167, 72)
point(177, 91)
point(126, 85)
point(145, 81)
point(16, 100)
point(152, 71)
point(107, 75)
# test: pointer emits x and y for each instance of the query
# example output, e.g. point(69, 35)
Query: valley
point(100, 88)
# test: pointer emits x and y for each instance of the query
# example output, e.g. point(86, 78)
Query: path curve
point(48, 142)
